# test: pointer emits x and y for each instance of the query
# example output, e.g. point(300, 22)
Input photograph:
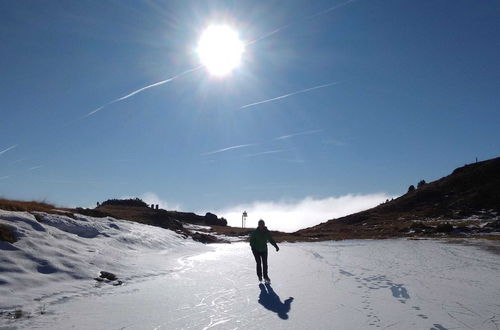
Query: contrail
point(9, 148)
point(227, 149)
point(265, 153)
point(141, 90)
point(326, 11)
point(299, 133)
point(283, 27)
point(267, 35)
point(289, 94)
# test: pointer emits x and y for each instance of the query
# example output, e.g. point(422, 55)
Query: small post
point(244, 219)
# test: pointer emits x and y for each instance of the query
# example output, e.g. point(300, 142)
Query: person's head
point(262, 224)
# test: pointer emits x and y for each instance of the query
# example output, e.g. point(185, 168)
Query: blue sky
point(416, 95)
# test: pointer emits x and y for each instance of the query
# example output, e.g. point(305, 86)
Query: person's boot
point(267, 280)
point(260, 278)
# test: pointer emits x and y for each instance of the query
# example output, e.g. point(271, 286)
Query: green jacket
point(259, 239)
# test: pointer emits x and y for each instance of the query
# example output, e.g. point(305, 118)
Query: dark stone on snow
point(205, 238)
point(108, 276)
point(7, 234)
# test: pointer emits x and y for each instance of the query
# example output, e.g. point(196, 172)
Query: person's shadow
point(270, 300)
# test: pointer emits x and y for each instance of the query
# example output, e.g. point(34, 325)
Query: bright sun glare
point(220, 49)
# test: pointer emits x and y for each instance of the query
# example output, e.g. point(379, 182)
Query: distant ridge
point(471, 190)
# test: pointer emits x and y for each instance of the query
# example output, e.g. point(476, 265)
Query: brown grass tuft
point(25, 206)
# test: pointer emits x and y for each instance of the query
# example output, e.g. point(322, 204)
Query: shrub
point(411, 188)
point(126, 202)
point(421, 183)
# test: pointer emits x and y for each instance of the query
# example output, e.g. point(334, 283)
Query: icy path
point(391, 284)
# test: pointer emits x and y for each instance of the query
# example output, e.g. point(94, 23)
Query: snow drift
point(58, 253)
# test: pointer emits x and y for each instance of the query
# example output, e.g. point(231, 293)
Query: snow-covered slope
point(60, 253)
point(357, 284)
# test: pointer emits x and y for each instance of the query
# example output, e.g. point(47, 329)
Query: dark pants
point(261, 260)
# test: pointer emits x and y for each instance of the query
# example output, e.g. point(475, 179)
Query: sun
point(220, 49)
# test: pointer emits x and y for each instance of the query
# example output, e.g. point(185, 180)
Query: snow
point(60, 253)
point(175, 283)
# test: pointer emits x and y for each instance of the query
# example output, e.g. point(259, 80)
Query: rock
point(7, 234)
point(108, 276)
point(444, 228)
point(91, 212)
point(494, 226)
point(205, 238)
point(212, 219)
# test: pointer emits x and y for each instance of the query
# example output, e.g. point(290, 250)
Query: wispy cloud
point(290, 216)
point(34, 168)
point(5, 177)
point(284, 137)
point(159, 83)
point(8, 149)
point(264, 153)
point(289, 94)
point(228, 148)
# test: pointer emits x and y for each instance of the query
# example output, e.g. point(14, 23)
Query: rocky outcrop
point(7, 234)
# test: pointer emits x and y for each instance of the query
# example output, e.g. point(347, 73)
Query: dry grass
point(26, 206)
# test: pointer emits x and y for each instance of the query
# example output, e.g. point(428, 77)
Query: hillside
point(467, 200)
point(174, 220)
point(135, 210)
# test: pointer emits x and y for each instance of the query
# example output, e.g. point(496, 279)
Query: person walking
point(258, 243)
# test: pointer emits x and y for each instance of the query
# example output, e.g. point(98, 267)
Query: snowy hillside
point(59, 254)
point(174, 283)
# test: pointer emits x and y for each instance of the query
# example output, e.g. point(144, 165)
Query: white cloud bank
point(290, 216)
point(152, 198)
